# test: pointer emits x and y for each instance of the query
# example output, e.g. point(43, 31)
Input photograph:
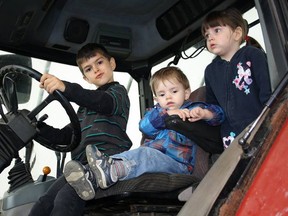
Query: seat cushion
point(161, 182)
point(150, 182)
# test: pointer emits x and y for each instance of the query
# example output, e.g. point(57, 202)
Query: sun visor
point(116, 39)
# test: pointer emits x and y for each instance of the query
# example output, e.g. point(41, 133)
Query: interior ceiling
point(132, 30)
point(137, 15)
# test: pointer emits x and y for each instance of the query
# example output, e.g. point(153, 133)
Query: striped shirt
point(103, 115)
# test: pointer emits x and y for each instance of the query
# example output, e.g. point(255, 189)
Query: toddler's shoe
point(101, 166)
point(81, 179)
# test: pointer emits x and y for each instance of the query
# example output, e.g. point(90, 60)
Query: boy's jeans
point(149, 160)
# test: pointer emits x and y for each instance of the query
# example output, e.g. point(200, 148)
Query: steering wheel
point(22, 122)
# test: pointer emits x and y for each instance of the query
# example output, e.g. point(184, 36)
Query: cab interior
point(139, 34)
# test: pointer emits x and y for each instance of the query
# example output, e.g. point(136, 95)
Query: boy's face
point(98, 70)
point(170, 94)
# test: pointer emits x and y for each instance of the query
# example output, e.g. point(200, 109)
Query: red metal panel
point(268, 194)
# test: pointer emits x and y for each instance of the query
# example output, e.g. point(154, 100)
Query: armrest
point(206, 136)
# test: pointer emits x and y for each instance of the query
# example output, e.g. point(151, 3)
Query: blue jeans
point(149, 160)
point(61, 199)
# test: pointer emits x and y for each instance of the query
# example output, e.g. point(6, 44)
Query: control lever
point(46, 170)
point(43, 118)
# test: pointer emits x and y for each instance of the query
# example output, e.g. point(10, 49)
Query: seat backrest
point(152, 189)
point(199, 94)
point(202, 157)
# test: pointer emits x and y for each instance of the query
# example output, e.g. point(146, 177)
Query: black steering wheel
point(22, 122)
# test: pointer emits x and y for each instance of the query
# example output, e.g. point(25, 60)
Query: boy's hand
point(51, 83)
point(199, 113)
point(182, 113)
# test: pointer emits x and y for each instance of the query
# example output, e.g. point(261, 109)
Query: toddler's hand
point(199, 113)
point(182, 113)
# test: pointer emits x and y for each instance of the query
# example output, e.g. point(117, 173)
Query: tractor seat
point(160, 192)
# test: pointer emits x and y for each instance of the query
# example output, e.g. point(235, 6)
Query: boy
point(103, 115)
point(166, 150)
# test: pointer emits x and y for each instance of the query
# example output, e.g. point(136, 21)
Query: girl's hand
point(182, 113)
point(51, 83)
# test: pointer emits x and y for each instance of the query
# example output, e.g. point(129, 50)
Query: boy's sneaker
point(81, 179)
point(101, 166)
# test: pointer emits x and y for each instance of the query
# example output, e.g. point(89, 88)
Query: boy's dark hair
point(229, 17)
point(90, 50)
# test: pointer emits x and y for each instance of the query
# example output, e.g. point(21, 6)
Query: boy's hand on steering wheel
point(51, 83)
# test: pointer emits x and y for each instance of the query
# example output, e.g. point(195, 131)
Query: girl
point(238, 78)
